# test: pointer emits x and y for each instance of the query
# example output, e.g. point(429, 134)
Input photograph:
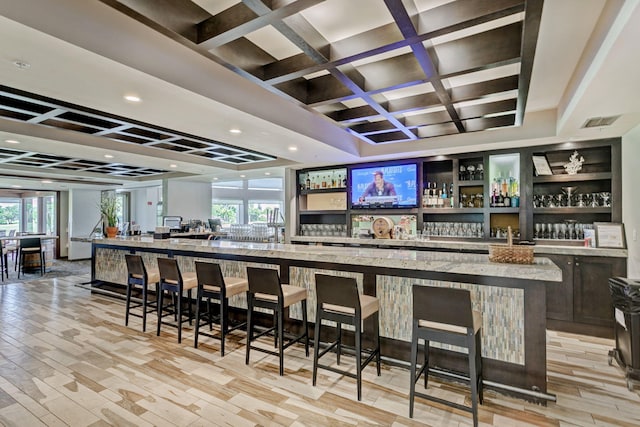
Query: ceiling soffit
point(26, 107)
point(402, 73)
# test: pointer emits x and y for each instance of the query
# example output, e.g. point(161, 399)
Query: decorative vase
point(112, 232)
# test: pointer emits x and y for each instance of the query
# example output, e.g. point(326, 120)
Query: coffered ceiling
point(306, 82)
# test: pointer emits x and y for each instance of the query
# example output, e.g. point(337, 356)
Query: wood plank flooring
point(66, 358)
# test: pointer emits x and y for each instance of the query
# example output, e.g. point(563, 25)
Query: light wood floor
point(66, 358)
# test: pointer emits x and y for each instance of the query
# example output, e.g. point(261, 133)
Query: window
point(123, 207)
point(10, 214)
point(49, 214)
point(259, 210)
point(229, 211)
point(30, 214)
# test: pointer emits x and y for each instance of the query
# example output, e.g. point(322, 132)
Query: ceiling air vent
point(596, 122)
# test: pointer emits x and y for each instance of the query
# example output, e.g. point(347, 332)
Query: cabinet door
point(592, 300)
point(560, 295)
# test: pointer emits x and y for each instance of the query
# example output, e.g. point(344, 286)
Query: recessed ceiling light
point(293, 148)
point(108, 156)
point(215, 178)
point(46, 181)
point(12, 141)
point(235, 130)
point(267, 173)
point(23, 65)
point(16, 186)
point(132, 98)
point(243, 176)
point(173, 165)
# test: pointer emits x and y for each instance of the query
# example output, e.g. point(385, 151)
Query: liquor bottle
point(500, 202)
point(425, 196)
point(451, 197)
point(307, 184)
point(444, 195)
point(506, 201)
point(324, 181)
point(494, 198)
point(431, 198)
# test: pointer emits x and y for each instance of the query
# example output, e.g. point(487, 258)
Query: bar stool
point(212, 285)
point(4, 261)
point(338, 300)
point(175, 282)
point(266, 291)
point(445, 315)
point(138, 275)
point(28, 246)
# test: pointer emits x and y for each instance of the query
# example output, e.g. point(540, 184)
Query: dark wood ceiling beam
point(178, 16)
point(478, 90)
point(391, 137)
point(533, 15)
point(477, 51)
point(226, 24)
point(481, 110)
point(427, 119)
point(412, 103)
point(373, 127)
point(465, 13)
point(244, 55)
point(356, 114)
point(442, 129)
point(245, 18)
point(407, 27)
point(484, 123)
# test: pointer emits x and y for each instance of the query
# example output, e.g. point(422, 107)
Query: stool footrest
point(444, 402)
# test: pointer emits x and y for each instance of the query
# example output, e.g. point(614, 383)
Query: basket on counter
point(511, 254)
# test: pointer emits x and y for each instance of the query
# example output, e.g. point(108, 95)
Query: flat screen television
point(384, 186)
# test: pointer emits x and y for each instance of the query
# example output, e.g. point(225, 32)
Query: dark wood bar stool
point(445, 315)
point(139, 276)
point(266, 291)
point(29, 246)
point(338, 300)
point(4, 261)
point(174, 282)
point(212, 285)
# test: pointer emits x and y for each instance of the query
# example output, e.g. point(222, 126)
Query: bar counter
point(458, 245)
point(511, 297)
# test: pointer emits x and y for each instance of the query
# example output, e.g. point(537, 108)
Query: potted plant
point(108, 209)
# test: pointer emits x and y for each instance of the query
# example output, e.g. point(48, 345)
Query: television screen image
point(390, 186)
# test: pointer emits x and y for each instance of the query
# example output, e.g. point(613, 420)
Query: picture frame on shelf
point(541, 165)
point(610, 235)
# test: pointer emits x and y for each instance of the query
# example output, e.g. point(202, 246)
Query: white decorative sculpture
point(575, 163)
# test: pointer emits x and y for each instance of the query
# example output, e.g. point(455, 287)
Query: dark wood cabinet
point(581, 303)
point(592, 300)
point(560, 295)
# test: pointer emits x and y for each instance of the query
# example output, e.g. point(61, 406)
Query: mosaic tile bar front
point(502, 308)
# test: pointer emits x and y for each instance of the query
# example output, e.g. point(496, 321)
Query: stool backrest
point(443, 305)
point(30, 243)
point(264, 281)
point(12, 233)
point(336, 290)
point(209, 273)
point(169, 270)
point(135, 266)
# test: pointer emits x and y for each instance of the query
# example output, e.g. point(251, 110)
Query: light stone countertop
point(462, 245)
point(444, 262)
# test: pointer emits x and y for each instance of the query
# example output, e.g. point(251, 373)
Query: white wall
point(188, 199)
point(144, 205)
point(84, 212)
point(631, 198)
point(63, 233)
